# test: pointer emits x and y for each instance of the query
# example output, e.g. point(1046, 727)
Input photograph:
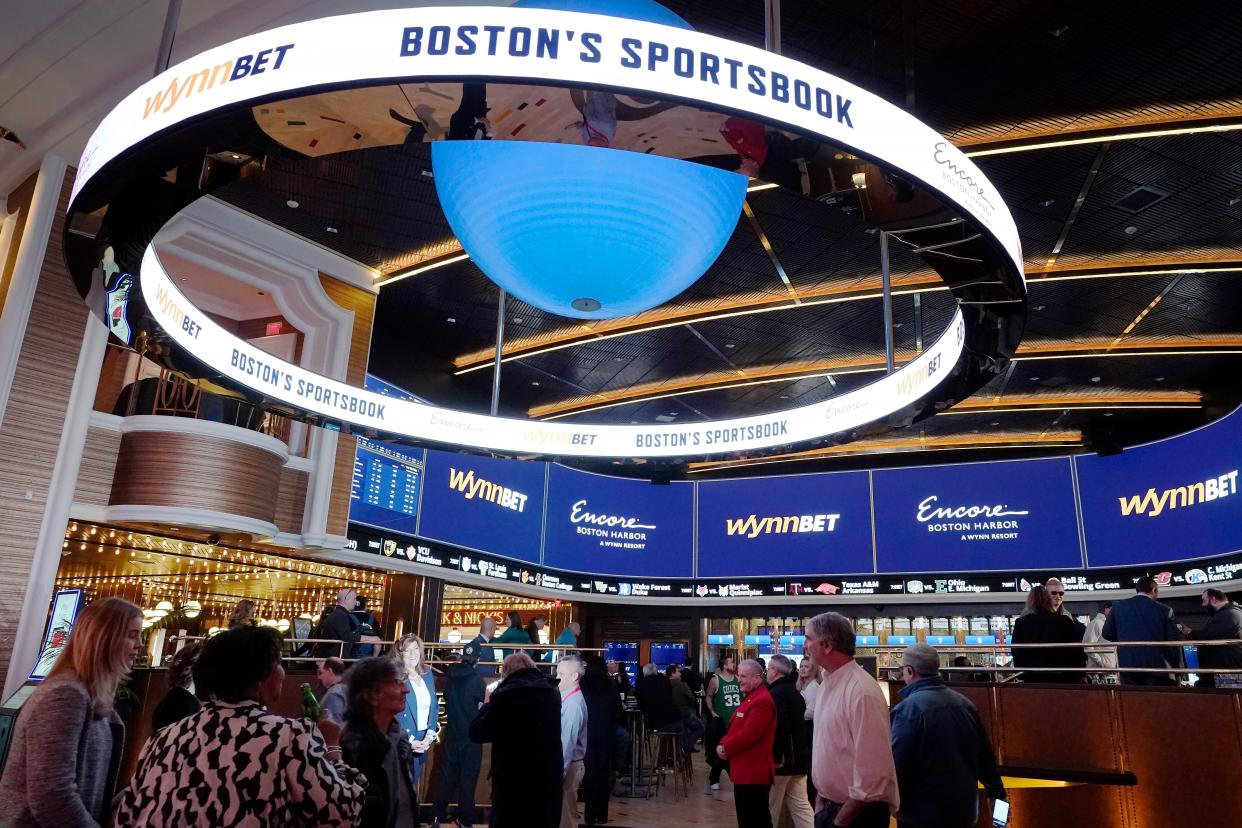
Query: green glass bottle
point(310, 704)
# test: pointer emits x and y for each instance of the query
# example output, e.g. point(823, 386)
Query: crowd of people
point(1046, 621)
point(813, 743)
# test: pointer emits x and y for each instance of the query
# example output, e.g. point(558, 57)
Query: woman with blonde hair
point(420, 719)
point(67, 744)
point(810, 679)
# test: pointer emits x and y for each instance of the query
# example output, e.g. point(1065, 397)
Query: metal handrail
point(1092, 648)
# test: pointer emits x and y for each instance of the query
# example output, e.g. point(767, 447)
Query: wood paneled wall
point(33, 421)
point(291, 501)
point(18, 202)
point(195, 471)
point(98, 466)
point(362, 303)
point(1183, 745)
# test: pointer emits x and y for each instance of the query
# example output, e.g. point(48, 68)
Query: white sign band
point(558, 48)
point(248, 366)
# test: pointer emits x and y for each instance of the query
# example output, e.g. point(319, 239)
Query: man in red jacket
point(747, 746)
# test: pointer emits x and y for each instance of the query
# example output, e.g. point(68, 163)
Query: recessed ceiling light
point(184, 279)
point(1108, 413)
point(1159, 379)
point(331, 229)
point(1235, 200)
point(994, 424)
point(451, 319)
point(293, 204)
point(1034, 379)
point(234, 156)
point(1040, 307)
point(1048, 202)
point(898, 324)
point(1131, 230)
point(1095, 379)
point(535, 383)
point(784, 396)
point(517, 320)
point(730, 345)
point(618, 359)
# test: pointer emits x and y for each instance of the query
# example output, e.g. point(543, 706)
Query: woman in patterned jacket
point(233, 763)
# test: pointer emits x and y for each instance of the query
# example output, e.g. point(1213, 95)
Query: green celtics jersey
point(728, 697)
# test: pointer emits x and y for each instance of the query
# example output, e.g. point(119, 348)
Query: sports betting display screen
point(976, 517)
point(485, 504)
point(978, 526)
point(803, 524)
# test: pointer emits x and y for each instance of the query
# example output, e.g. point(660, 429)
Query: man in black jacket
point(462, 758)
point(655, 699)
point(522, 720)
point(339, 624)
point(1225, 624)
point(790, 749)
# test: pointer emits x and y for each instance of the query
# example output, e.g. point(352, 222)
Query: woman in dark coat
point(180, 701)
point(604, 713)
point(1040, 624)
point(522, 720)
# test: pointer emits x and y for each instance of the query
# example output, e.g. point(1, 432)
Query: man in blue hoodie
point(940, 749)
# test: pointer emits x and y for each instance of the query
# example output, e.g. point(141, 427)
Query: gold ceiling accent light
point(895, 445)
point(791, 371)
point(715, 381)
point(423, 267)
point(852, 289)
point(1077, 400)
point(1100, 136)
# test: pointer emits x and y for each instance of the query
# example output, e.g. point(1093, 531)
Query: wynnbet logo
point(209, 77)
point(1153, 503)
point(754, 526)
point(472, 487)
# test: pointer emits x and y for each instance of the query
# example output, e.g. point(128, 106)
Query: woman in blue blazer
point(420, 719)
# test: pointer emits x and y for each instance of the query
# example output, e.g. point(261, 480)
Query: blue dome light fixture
point(647, 11)
point(585, 232)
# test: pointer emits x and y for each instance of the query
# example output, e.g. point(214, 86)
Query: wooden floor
point(702, 806)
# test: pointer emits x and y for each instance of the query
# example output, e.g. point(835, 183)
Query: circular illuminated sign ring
point(576, 50)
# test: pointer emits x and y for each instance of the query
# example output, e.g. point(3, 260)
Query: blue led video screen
point(664, 653)
point(484, 503)
point(1169, 501)
point(612, 526)
point(798, 525)
point(385, 485)
point(977, 517)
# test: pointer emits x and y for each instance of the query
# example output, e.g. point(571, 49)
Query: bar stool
point(668, 758)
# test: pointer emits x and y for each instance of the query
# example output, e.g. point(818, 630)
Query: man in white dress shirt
point(852, 757)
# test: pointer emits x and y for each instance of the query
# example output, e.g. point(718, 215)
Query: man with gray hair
point(569, 672)
point(940, 749)
point(747, 747)
point(851, 758)
point(791, 750)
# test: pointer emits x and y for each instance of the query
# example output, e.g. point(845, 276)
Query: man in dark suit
point(482, 641)
point(1142, 618)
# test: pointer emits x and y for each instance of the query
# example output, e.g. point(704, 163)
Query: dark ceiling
point(1113, 353)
